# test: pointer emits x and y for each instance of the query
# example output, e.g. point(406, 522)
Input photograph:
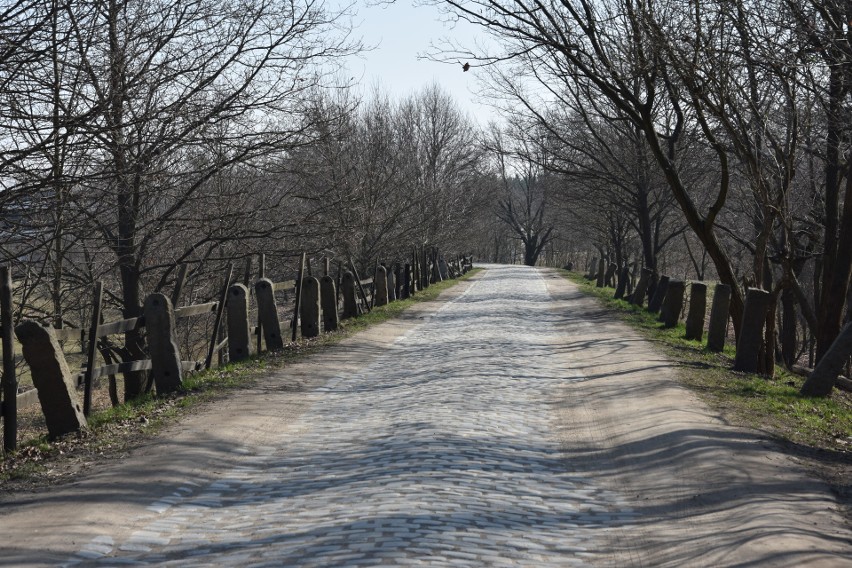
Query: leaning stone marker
point(609, 280)
point(659, 294)
point(673, 303)
point(642, 287)
point(347, 290)
point(822, 379)
point(380, 285)
point(309, 310)
point(239, 330)
point(267, 314)
point(593, 267)
point(623, 278)
point(751, 330)
point(697, 308)
point(162, 343)
point(328, 300)
point(57, 394)
point(719, 312)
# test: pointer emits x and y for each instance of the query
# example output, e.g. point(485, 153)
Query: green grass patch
point(772, 404)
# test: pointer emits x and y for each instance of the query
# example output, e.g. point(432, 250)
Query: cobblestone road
point(438, 453)
point(514, 422)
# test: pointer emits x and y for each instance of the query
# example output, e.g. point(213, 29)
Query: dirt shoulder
point(714, 493)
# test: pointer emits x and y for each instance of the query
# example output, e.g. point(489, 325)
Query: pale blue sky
point(401, 31)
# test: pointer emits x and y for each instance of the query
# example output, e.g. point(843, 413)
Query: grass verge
point(40, 462)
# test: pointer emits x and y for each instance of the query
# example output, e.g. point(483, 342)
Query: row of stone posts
point(319, 307)
point(667, 300)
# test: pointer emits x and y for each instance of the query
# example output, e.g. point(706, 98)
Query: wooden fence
point(233, 305)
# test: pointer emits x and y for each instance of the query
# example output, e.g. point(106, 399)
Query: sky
point(400, 32)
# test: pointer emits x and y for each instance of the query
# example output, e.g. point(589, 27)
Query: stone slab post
point(822, 379)
point(719, 313)
point(601, 275)
point(436, 269)
point(267, 314)
point(328, 301)
point(751, 330)
point(609, 279)
point(659, 295)
point(380, 284)
point(642, 287)
point(406, 282)
point(673, 303)
point(391, 284)
point(162, 344)
point(62, 408)
point(350, 301)
point(239, 330)
point(593, 267)
point(623, 278)
point(310, 308)
point(697, 309)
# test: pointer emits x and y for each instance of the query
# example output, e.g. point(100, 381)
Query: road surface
point(514, 423)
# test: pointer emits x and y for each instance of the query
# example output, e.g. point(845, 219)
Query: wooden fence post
point(298, 306)
point(97, 310)
point(361, 288)
point(239, 330)
point(267, 314)
point(217, 324)
point(328, 300)
point(179, 283)
point(10, 381)
point(162, 343)
point(57, 392)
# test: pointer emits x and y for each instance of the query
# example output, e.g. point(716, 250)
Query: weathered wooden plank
point(120, 326)
point(127, 367)
point(220, 346)
point(70, 333)
point(28, 398)
point(187, 366)
point(288, 285)
point(189, 311)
